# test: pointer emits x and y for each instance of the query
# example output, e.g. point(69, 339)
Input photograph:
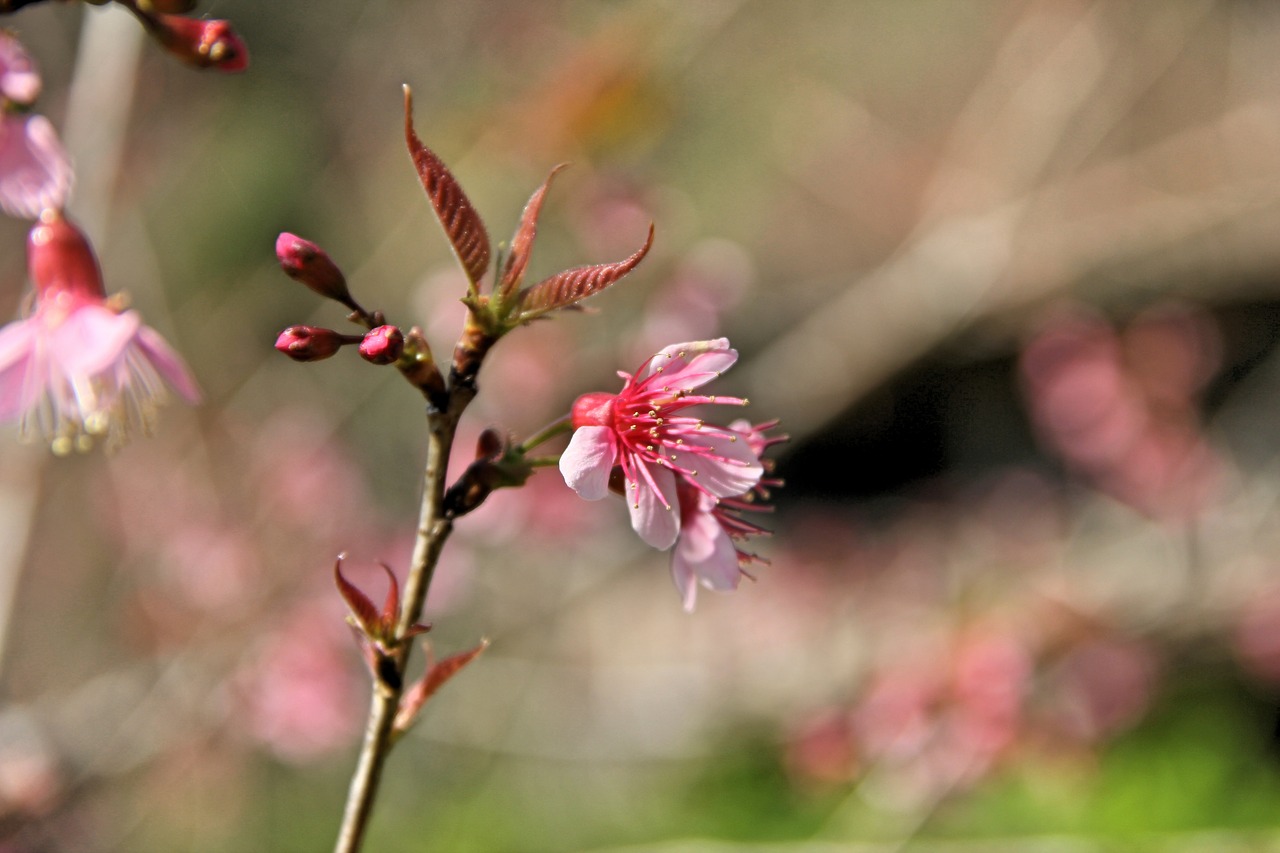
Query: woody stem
point(433, 530)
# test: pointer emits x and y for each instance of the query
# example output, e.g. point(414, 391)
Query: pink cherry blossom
point(35, 172)
point(77, 368)
point(19, 79)
point(706, 552)
point(642, 430)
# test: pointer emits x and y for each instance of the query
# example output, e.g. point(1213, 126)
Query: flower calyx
point(377, 630)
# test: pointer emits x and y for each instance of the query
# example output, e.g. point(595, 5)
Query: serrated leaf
point(462, 225)
point(361, 607)
point(522, 242)
point(566, 288)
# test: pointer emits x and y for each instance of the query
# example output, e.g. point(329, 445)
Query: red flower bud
point(59, 258)
point(310, 343)
point(382, 345)
point(202, 42)
point(306, 262)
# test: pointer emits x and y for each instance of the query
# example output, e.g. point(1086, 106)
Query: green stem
point(548, 432)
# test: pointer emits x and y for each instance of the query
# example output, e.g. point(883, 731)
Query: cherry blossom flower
point(642, 430)
point(35, 172)
point(706, 552)
point(78, 367)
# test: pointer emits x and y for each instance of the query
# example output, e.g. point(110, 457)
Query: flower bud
point(310, 343)
point(202, 42)
point(382, 345)
point(59, 258)
point(306, 262)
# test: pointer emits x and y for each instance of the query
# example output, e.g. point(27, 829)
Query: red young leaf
point(437, 674)
point(462, 225)
point(361, 607)
point(522, 242)
point(391, 607)
point(568, 287)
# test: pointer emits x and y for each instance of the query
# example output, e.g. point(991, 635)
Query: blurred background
point(1009, 273)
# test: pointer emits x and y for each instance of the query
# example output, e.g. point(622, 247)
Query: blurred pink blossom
point(1120, 408)
point(76, 368)
point(1257, 635)
point(19, 79)
point(35, 172)
point(298, 694)
point(1103, 686)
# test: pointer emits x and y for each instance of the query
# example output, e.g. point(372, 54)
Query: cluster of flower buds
point(490, 315)
point(380, 345)
point(201, 42)
point(307, 263)
point(686, 482)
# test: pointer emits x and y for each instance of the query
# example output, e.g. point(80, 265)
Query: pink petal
point(685, 579)
point(92, 339)
point(689, 365)
point(707, 552)
point(168, 364)
point(658, 524)
point(35, 172)
point(587, 461)
point(17, 349)
point(19, 80)
point(730, 468)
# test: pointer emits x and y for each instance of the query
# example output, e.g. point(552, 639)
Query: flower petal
point(656, 519)
point(587, 461)
point(168, 364)
point(705, 553)
point(35, 172)
point(19, 80)
point(92, 339)
point(685, 579)
point(18, 345)
point(724, 462)
point(690, 365)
